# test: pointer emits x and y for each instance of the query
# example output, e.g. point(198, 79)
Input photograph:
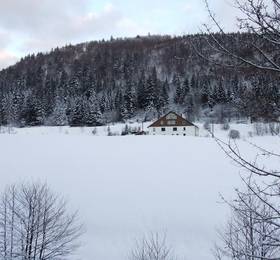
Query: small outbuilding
point(173, 124)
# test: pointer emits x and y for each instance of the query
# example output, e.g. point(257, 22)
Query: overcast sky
point(29, 26)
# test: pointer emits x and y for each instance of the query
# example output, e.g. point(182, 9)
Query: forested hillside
point(99, 82)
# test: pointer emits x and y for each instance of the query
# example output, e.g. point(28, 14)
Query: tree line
point(95, 83)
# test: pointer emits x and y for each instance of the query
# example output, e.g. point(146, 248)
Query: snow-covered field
point(125, 186)
point(116, 129)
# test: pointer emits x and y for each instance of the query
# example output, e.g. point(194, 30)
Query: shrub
point(109, 132)
point(94, 131)
point(225, 126)
point(126, 131)
point(206, 126)
point(234, 134)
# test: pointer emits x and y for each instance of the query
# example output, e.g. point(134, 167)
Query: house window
point(171, 122)
point(171, 116)
point(154, 129)
point(184, 128)
point(174, 129)
point(163, 129)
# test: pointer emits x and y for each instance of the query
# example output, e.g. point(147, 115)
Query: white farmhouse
point(173, 124)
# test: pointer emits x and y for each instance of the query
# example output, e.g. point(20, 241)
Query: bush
point(109, 132)
point(234, 134)
point(225, 126)
point(126, 131)
point(94, 131)
point(206, 126)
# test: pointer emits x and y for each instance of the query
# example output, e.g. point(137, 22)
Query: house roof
point(171, 119)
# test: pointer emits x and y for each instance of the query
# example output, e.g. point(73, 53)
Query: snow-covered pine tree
point(205, 93)
point(16, 107)
point(220, 93)
point(50, 94)
point(93, 115)
point(176, 82)
point(150, 91)
point(141, 93)
point(74, 86)
point(130, 100)
point(33, 113)
point(3, 120)
point(186, 89)
point(163, 97)
point(59, 115)
point(77, 113)
point(193, 83)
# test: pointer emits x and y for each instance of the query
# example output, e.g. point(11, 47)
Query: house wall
point(181, 130)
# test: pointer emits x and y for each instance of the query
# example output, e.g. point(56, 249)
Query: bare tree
point(253, 231)
point(35, 224)
point(152, 247)
point(260, 19)
point(254, 228)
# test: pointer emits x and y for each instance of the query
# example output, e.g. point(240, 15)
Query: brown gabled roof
point(164, 122)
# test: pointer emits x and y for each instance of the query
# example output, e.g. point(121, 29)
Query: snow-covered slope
point(126, 186)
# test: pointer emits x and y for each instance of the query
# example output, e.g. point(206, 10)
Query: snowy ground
point(116, 129)
point(125, 186)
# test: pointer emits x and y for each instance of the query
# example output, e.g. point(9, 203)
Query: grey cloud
point(72, 30)
point(39, 25)
point(34, 15)
point(49, 23)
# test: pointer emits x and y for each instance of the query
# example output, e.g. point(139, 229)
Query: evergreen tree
point(150, 91)
point(141, 93)
point(103, 103)
point(93, 114)
point(59, 115)
point(77, 113)
point(205, 94)
point(163, 99)
point(118, 99)
point(74, 87)
point(190, 108)
point(50, 94)
point(33, 112)
point(220, 94)
point(16, 107)
point(3, 120)
point(178, 88)
point(186, 87)
point(63, 87)
point(129, 102)
point(193, 83)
